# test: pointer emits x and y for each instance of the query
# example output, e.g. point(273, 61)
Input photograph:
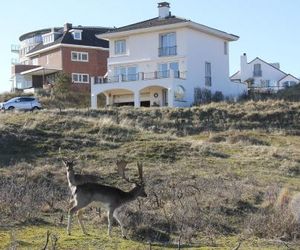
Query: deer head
point(69, 164)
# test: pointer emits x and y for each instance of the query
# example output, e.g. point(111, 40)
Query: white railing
point(141, 76)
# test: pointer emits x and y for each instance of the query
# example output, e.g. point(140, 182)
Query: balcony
point(167, 51)
point(142, 76)
point(15, 61)
point(15, 48)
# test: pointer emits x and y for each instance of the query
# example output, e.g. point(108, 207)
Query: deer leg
point(70, 214)
point(76, 207)
point(110, 220)
point(79, 215)
point(71, 203)
point(121, 225)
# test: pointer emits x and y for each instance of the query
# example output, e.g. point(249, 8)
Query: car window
point(26, 99)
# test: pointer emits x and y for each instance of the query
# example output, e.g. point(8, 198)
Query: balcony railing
point(15, 48)
point(142, 76)
point(15, 61)
point(167, 51)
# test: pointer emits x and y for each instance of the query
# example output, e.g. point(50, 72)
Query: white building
point(161, 61)
point(263, 76)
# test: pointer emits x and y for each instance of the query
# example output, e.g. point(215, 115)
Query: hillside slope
point(215, 175)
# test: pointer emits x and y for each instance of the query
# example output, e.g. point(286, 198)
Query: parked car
point(23, 102)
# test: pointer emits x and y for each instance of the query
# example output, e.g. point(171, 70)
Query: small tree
point(62, 86)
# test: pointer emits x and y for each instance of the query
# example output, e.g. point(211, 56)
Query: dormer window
point(77, 34)
point(48, 38)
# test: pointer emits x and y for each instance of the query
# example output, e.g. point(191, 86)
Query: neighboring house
point(73, 50)
point(163, 61)
point(262, 76)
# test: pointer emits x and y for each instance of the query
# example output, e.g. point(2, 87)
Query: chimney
point(243, 70)
point(276, 65)
point(163, 10)
point(67, 26)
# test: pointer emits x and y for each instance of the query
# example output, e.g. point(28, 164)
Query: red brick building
point(73, 50)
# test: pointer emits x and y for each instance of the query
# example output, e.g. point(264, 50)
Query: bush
point(202, 96)
point(217, 97)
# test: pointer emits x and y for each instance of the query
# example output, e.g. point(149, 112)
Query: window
point(132, 74)
point(80, 78)
point(48, 38)
point(35, 61)
point(225, 48)
point(126, 73)
point(120, 47)
point(288, 84)
point(175, 67)
point(79, 56)
point(164, 70)
point(257, 70)
point(77, 34)
point(167, 44)
point(207, 74)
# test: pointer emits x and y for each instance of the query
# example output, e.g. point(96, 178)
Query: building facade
point(162, 61)
point(73, 50)
point(261, 76)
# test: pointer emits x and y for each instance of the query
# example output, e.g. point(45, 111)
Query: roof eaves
point(287, 76)
point(257, 58)
point(235, 74)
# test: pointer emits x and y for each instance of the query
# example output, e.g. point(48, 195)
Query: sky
point(269, 29)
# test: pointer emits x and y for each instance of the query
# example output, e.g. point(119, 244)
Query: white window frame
point(120, 47)
point(79, 56)
point(35, 61)
point(77, 34)
point(164, 69)
point(208, 74)
point(168, 44)
point(78, 78)
point(257, 70)
point(48, 38)
point(124, 72)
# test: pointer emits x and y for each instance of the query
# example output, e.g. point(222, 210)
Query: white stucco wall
point(142, 51)
point(288, 78)
point(194, 48)
point(268, 72)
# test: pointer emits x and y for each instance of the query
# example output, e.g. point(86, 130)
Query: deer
point(78, 179)
point(110, 197)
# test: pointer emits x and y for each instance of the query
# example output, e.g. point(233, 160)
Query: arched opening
point(115, 97)
point(154, 96)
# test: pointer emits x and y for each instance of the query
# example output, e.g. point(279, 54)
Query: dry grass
point(205, 183)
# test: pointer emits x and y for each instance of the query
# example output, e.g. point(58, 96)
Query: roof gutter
point(64, 45)
point(188, 24)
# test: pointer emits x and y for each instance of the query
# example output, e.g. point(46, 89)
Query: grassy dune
point(214, 175)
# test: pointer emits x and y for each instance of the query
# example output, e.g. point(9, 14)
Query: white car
point(23, 102)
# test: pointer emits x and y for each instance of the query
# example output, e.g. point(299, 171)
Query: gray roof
point(154, 22)
point(88, 38)
point(150, 23)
